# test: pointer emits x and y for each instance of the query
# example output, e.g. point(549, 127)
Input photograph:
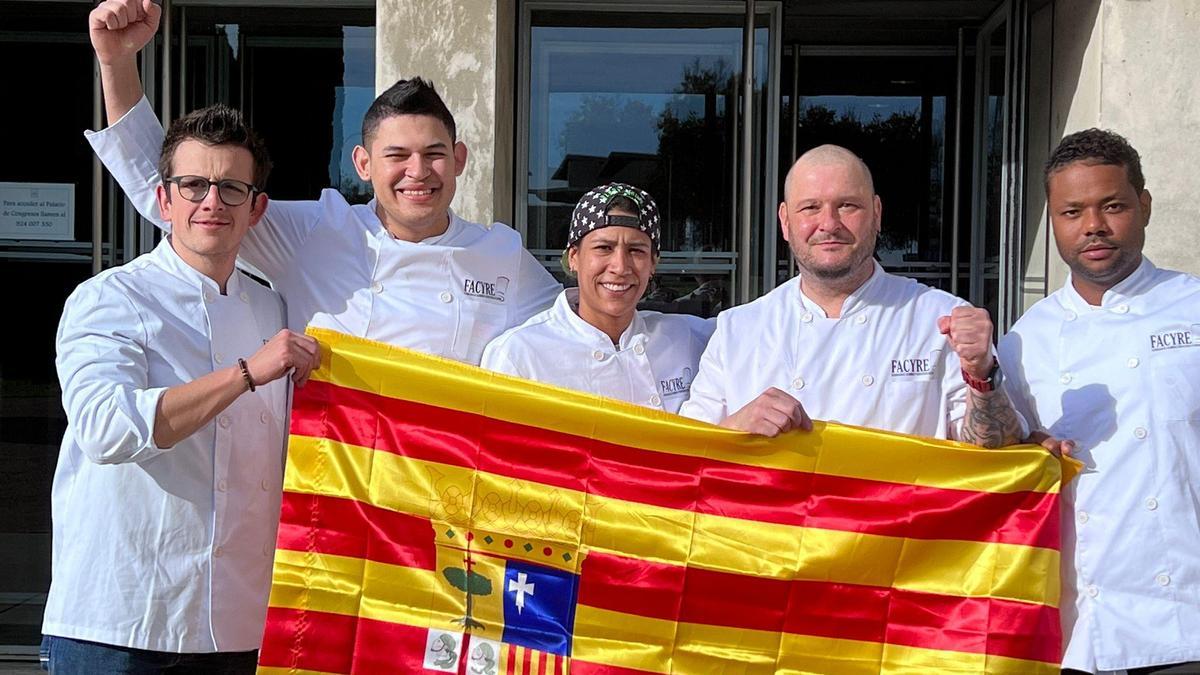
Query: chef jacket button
point(806, 317)
point(1065, 378)
point(655, 400)
point(860, 319)
point(208, 297)
point(264, 418)
point(1140, 433)
point(222, 485)
point(1151, 503)
point(223, 420)
point(1163, 580)
point(218, 358)
point(798, 383)
point(266, 487)
point(1121, 309)
point(376, 287)
point(445, 296)
point(598, 355)
point(1069, 315)
point(1133, 362)
point(218, 552)
point(1092, 591)
point(1082, 517)
point(639, 349)
point(868, 380)
point(244, 296)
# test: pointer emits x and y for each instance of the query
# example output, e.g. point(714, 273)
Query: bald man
point(847, 342)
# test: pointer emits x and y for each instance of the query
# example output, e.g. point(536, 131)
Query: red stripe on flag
point(308, 640)
point(526, 661)
point(436, 434)
point(346, 527)
point(511, 667)
point(384, 647)
point(992, 626)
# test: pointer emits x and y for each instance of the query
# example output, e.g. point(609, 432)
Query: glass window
point(652, 100)
point(892, 110)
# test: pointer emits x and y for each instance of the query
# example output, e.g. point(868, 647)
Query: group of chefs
point(175, 366)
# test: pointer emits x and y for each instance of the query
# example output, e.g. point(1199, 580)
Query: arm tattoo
point(991, 421)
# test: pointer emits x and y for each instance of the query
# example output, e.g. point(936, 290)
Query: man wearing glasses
point(167, 491)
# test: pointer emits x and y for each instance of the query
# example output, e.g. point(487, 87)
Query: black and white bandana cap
point(591, 213)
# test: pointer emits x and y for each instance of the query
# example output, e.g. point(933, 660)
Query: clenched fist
point(120, 28)
point(969, 332)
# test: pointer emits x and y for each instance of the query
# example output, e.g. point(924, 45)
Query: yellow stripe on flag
point(447, 384)
point(614, 639)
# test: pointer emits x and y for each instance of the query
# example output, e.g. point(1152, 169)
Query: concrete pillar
point(455, 43)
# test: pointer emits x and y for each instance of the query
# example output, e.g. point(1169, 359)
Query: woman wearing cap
point(594, 338)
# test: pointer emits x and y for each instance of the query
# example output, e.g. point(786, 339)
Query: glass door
point(48, 245)
point(998, 189)
point(303, 77)
point(895, 107)
point(652, 98)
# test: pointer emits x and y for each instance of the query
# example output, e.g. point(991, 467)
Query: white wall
point(1130, 66)
point(452, 43)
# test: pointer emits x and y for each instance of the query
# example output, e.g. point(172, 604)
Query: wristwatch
point(989, 383)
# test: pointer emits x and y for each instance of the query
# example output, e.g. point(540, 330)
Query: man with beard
point(845, 341)
point(1112, 361)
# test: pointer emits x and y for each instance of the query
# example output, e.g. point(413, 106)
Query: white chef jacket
point(652, 365)
point(1123, 381)
point(164, 549)
point(337, 266)
point(883, 364)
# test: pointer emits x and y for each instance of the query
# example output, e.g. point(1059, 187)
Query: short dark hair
point(216, 125)
point(1097, 146)
point(408, 97)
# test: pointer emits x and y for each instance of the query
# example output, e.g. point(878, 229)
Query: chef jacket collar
point(381, 232)
point(1125, 291)
point(567, 307)
point(165, 256)
point(860, 297)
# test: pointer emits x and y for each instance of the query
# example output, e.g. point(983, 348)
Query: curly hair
point(1097, 146)
point(216, 125)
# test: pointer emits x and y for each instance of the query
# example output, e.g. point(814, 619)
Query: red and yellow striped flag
point(441, 518)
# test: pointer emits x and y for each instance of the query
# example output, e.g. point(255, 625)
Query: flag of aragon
point(440, 518)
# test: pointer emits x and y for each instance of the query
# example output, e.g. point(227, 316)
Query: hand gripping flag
point(438, 518)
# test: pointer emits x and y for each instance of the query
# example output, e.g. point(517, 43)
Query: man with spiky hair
point(174, 377)
point(402, 269)
point(1112, 361)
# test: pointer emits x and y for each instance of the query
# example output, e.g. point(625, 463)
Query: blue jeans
point(77, 657)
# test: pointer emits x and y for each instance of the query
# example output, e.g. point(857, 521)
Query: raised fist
point(969, 332)
point(120, 28)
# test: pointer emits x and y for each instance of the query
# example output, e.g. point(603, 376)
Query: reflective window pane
point(650, 100)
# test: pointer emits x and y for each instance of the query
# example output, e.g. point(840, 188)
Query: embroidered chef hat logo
point(591, 213)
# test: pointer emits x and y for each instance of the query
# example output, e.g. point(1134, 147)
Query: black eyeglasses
point(195, 189)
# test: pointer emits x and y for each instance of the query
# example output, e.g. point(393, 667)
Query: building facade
point(955, 105)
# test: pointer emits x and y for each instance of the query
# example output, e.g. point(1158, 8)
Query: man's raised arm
point(119, 29)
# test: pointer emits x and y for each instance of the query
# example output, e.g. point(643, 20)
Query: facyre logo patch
point(491, 290)
point(1173, 339)
point(674, 386)
point(911, 367)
